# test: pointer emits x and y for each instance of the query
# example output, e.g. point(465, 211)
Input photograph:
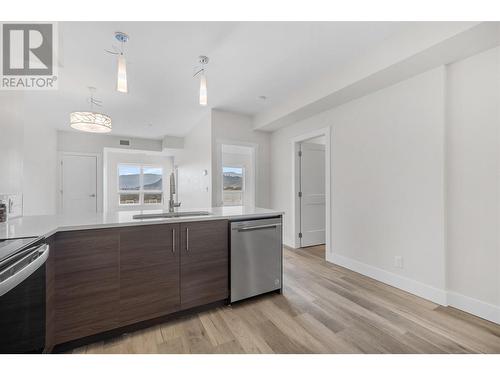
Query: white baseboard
point(289, 243)
point(428, 292)
point(473, 306)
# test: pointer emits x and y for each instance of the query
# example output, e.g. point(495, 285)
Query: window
point(139, 184)
point(233, 183)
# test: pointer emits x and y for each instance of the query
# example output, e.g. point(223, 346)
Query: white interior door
point(313, 199)
point(79, 183)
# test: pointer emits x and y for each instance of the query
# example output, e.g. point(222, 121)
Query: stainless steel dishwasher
point(256, 257)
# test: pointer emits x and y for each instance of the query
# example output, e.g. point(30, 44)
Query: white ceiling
point(248, 59)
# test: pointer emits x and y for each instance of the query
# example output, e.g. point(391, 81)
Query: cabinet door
point(204, 263)
point(86, 283)
point(149, 272)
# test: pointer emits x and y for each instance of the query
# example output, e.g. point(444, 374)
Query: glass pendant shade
point(121, 82)
point(203, 90)
point(92, 122)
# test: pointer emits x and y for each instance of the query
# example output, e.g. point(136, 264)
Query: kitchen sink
point(167, 215)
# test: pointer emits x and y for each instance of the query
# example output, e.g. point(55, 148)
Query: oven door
point(22, 303)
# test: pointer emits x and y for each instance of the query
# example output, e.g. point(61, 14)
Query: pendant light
point(121, 82)
point(121, 79)
point(90, 121)
point(203, 89)
point(203, 60)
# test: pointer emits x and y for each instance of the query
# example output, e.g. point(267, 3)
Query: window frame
point(243, 187)
point(141, 190)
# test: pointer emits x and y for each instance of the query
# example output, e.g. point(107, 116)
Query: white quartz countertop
point(46, 225)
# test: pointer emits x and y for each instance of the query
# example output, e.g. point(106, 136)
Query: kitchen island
point(110, 273)
point(46, 225)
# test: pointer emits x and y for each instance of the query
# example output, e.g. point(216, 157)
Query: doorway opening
point(311, 181)
point(233, 185)
point(236, 175)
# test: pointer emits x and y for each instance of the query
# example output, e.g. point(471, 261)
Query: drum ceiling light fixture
point(90, 121)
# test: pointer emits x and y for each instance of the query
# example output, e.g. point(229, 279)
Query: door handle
point(92, 195)
point(187, 239)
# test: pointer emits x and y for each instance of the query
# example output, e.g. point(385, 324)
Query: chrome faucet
point(171, 204)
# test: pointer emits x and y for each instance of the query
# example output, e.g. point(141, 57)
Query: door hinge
point(300, 154)
point(300, 194)
point(300, 235)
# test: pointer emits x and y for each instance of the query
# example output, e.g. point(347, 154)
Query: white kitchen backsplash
point(14, 204)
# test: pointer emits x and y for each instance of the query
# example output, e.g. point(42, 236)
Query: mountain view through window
point(140, 184)
point(232, 186)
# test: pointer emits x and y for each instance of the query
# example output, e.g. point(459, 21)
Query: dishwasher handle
point(257, 227)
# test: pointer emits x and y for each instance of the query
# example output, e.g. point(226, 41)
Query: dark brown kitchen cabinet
point(102, 279)
point(149, 272)
point(204, 263)
point(49, 295)
point(87, 283)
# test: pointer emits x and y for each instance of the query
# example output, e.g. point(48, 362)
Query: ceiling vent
point(124, 142)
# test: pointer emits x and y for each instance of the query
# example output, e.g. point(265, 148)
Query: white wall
point(87, 143)
point(200, 153)
point(232, 128)
point(415, 172)
point(473, 183)
point(27, 157)
point(11, 144)
point(388, 168)
point(387, 161)
point(73, 141)
point(112, 159)
point(194, 187)
point(39, 170)
point(321, 140)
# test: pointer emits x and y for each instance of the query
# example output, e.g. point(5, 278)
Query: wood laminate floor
point(324, 309)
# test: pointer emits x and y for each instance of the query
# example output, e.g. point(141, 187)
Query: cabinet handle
point(173, 240)
point(187, 239)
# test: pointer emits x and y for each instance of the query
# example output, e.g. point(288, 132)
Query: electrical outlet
point(398, 261)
